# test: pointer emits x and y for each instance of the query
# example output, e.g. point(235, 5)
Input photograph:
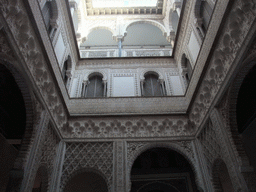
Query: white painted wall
point(123, 86)
point(176, 85)
point(60, 49)
point(74, 87)
point(193, 47)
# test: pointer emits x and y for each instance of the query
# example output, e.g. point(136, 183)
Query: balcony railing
point(131, 51)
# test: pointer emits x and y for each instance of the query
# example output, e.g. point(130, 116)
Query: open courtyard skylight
point(123, 3)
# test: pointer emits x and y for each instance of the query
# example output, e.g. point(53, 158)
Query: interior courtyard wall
point(118, 160)
point(209, 90)
point(104, 127)
point(174, 81)
point(156, 127)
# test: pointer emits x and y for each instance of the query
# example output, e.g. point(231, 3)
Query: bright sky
point(123, 3)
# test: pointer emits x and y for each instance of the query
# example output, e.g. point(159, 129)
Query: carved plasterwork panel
point(49, 151)
point(215, 146)
point(237, 26)
point(120, 167)
point(128, 106)
point(15, 14)
point(134, 149)
point(133, 127)
point(81, 156)
point(127, 63)
point(135, 80)
point(210, 144)
point(4, 45)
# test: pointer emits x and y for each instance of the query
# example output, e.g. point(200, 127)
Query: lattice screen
point(211, 147)
point(49, 151)
point(88, 155)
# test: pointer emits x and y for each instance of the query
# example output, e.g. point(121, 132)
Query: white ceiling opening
point(123, 3)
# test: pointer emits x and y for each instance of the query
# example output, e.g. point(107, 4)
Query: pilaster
point(234, 164)
point(120, 169)
point(35, 152)
point(58, 165)
point(201, 167)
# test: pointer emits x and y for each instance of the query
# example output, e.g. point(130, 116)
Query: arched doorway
point(162, 169)
point(12, 123)
point(86, 181)
point(221, 178)
point(41, 180)
point(246, 114)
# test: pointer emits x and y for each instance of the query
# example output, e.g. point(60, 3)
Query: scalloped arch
point(151, 22)
point(172, 146)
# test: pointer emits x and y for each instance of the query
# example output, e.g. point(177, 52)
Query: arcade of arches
point(134, 98)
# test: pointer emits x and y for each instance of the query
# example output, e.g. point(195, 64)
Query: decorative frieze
point(133, 127)
point(15, 15)
point(241, 17)
point(120, 167)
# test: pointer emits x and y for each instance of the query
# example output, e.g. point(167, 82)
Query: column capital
point(53, 23)
point(172, 35)
point(85, 82)
point(176, 5)
point(104, 81)
point(198, 22)
point(73, 4)
point(69, 73)
point(118, 38)
point(161, 81)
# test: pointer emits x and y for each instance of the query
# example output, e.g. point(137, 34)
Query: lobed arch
point(183, 60)
point(90, 30)
point(219, 173)
point(86, 170)
point(99, 73)
point(55, 12)
point(172, 146)
point(151, 22)
point(171, 25)
point(30, 108)
point(234, 89)
point(150, 71)
point(69, 62)
point(197, 9)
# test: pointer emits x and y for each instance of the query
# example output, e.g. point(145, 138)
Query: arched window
point(50, 15)
point(47, 14)
point(186, 68)
point(94, 87)
point(205, 13)
point(152, 86)
point(64, 72)
point(65, 69)
point(174, 20)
